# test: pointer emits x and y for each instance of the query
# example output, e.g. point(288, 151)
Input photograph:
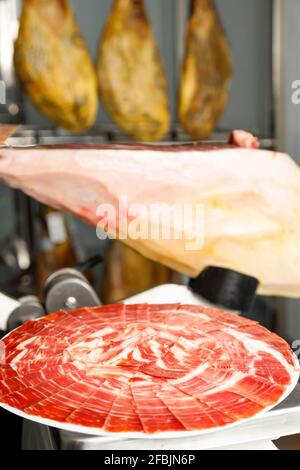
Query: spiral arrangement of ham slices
point(144, 368)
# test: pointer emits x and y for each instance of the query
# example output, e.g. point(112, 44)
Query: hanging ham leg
point(207, 72)
point(132, 81)
point(54, 66)
point(250, 197)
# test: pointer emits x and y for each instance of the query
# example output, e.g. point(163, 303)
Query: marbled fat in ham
point(144, 368)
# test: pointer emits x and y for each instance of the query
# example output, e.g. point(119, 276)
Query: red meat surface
point(145, 368)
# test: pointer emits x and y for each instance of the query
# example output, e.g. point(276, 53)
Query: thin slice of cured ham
point(95, 410)
point(153, 413)
point(191, 412)
point(123, 415)
point(144, 368)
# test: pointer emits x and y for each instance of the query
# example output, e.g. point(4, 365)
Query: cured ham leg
point(53, 64)
point(250, 200)
point(132, 81)
point(206, 74)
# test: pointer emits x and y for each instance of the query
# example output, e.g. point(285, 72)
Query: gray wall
point(248, 26)
point(287, 69)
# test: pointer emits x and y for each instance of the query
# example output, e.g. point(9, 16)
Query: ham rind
point(250, 199)
point(145, 368)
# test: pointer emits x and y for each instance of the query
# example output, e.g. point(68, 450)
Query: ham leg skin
point(250, 199)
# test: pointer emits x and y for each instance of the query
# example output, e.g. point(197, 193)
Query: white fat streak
point(100, 333)
point(103, 371)
point(39, 355)
point(168, 336)
point(170, 327)
point(237, 375)
point(155, 347)
point(18, 357)
point(73, 377)
point(186, 343)
point(93, 343)
point(194, 373)
point(148, 332)
point(132, 340)
point(87, 351)
point(137, 355)
point(66, 356)
point(43, 375)
point(196, 316)
point(124, 340)
point(160, 363)
point(203, 316)
point(95, 354)
point(193, 315)
point(80, 365)
point(254, 346)
point(190, 343)
point(123, 354)
point(25, 343)
point(80, 358)
point(178, 353)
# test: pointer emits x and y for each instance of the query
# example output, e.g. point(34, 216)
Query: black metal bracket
point(226, 288)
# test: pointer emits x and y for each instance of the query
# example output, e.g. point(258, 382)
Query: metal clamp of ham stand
point(226, 288)
point(65, 289)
